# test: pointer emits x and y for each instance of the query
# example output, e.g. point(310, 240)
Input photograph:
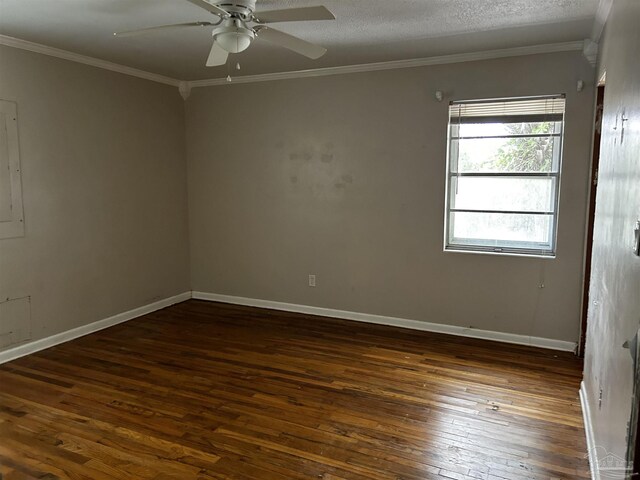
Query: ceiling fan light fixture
point(231, 34)
point(234, 36)
point(234, 42)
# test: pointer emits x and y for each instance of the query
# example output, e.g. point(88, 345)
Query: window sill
point(504, 254)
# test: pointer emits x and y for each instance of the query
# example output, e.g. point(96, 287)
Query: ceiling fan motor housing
point(242, 9)
point(232, 33)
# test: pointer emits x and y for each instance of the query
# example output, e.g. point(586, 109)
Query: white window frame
point(548, 249)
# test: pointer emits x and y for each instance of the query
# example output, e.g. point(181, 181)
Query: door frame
point(591, 212)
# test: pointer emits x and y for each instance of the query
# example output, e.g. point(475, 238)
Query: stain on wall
point(344, 178)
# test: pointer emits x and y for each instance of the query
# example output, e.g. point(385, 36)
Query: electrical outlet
point(312, 280)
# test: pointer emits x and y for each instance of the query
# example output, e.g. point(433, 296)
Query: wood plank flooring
point(211, 391)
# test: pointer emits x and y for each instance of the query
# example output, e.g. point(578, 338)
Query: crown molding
point(186, 86)
point(602, 14)
point(94, 62)
point(590, 51)
point(395, 64)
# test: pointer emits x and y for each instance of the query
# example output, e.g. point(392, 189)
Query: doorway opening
point(591, 212)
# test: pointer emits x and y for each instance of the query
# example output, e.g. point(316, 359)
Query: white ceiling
point(365, 31)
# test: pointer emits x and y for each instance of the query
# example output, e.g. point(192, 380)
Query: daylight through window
point(503, 182)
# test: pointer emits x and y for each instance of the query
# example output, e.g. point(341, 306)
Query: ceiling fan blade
point(292, 43)
point(210, 7)
point(294, 15)
point(143, 31)
point(217, 56)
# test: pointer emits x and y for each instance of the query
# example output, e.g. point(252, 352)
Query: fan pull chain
point(229, 79)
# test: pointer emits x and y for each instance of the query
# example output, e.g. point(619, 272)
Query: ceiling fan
point(232, 34)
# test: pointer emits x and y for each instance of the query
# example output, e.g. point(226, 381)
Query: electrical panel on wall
point(11, 213)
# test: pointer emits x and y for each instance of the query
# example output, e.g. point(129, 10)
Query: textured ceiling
point(365, 31)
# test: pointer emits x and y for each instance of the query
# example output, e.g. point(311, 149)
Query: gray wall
point(344, 177)
point(340, 176)
point(614, 312)
point(104, 187)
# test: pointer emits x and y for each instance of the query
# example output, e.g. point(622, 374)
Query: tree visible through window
point(503, 175)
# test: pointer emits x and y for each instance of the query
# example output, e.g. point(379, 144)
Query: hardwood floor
point(211, 391)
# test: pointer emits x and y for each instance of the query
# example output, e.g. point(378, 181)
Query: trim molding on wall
point(94, 62)
point(36, 346)
point(396, 64)
point(588, 428)
point(602, 14)
point(392, 321)
point(186, 86)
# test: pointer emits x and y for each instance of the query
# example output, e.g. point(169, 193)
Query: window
point(503, 179)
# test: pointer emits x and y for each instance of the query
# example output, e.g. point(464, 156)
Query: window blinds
point(540, 109)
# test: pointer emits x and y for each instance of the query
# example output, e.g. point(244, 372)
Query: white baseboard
point(588, 428)
point(393, 321)
point(37, 345)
